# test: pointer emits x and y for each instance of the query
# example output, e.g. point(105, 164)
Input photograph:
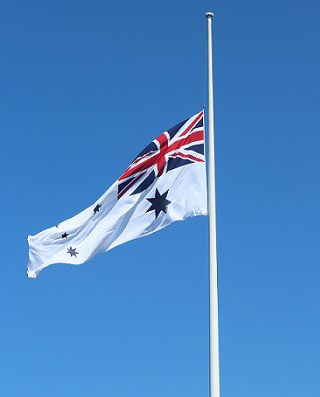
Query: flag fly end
point(31, 274)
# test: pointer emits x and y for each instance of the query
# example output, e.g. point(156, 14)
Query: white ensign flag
point(165, 183)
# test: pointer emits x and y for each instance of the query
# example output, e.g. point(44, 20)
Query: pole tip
point(209, 14)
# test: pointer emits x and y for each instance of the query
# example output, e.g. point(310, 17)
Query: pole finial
point(209, 14)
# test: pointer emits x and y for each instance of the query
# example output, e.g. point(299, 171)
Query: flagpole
point(214, 375)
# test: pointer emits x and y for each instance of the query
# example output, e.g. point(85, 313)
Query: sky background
point(84, 87)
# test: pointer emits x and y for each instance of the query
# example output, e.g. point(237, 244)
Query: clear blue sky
point(84, 87)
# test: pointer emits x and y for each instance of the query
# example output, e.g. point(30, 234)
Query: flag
point(165, 183)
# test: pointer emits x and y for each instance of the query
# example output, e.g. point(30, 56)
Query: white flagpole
point(214, 376)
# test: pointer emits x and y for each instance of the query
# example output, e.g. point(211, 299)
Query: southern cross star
point(97, 208)
point(64, 235)
point(73, 252)
point(159, 203)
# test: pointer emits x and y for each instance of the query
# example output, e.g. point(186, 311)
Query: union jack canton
point(180, 145)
